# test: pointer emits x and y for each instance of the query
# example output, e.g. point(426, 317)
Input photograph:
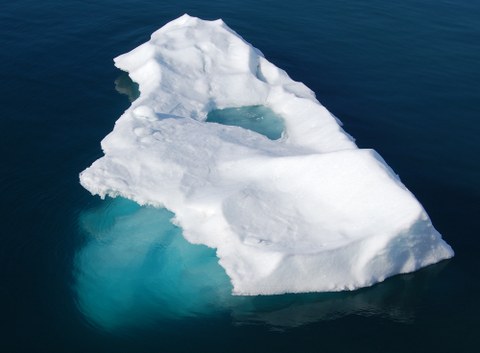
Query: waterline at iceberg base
point(136, 269)
point(308, 212)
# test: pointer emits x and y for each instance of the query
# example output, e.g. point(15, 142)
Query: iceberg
point(307, 212)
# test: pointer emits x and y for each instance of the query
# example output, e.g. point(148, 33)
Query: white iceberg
point(307, 212)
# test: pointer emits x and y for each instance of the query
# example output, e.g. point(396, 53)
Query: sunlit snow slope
point(307, 212)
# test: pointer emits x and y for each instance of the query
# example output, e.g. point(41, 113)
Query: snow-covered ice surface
point(307, 212)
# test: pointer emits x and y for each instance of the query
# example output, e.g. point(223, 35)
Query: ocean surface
point(80, 274)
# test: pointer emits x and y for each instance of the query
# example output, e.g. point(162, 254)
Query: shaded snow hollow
point(307, 212)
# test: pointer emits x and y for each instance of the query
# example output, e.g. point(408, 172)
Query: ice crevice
point(307, 212)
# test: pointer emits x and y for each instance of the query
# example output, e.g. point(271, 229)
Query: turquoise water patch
point(257, 118)
point(137, 267)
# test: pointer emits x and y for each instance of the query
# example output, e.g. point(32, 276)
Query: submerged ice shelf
point(306, 212)
point(135, 270)
point(136, 263)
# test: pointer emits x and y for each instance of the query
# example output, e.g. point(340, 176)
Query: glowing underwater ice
point(136, 262)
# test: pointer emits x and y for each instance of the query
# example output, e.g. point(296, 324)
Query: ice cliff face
point(307, 212)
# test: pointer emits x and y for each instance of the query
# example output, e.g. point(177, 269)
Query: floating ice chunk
point(307, 212)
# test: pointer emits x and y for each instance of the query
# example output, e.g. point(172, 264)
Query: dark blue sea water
point(78, 274)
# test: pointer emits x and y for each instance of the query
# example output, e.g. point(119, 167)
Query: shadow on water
point(125, 85)
point(135, 269)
